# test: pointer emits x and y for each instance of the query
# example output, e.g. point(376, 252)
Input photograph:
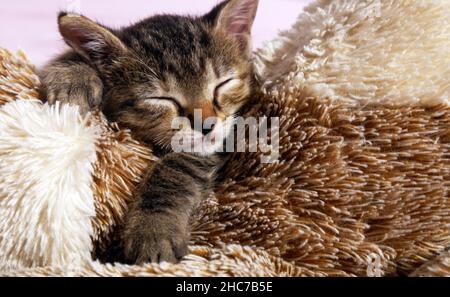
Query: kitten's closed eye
point(217, 92)
point(165, 101)
point(230, 94)
point(170, 102)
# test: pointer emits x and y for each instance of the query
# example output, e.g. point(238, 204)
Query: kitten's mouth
point(209, 137)
point(189, 140)
point(204, 140)
point(202, 144)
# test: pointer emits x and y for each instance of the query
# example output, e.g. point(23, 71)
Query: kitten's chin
point(190, 141)
point(197, 143)
point(203, 145)
point(209, 146)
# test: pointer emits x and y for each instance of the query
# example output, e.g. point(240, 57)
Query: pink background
point(31, 24)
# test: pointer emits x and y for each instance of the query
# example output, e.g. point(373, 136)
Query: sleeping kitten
point(144, 76)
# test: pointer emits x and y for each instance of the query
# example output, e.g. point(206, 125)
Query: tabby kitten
point(143, 77)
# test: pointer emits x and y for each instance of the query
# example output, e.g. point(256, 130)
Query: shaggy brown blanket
point(362, 185)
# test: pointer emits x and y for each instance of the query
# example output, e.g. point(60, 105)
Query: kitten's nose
point(203, 118)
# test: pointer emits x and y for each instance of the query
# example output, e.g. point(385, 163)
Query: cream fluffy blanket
point(362, 185)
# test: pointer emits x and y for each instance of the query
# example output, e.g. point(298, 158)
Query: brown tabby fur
point(174, 59)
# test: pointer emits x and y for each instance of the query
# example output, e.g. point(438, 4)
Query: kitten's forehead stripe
point(177, 45)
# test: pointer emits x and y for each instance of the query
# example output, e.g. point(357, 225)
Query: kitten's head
point(168, 66)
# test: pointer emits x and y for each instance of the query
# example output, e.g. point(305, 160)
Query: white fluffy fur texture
point(365, 50)
point(46, 203)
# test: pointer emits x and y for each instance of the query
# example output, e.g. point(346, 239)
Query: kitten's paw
point(154, 238)
point(86, 91)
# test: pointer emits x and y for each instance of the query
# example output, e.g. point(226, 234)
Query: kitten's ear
point(88, 38)
point(235, 17)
